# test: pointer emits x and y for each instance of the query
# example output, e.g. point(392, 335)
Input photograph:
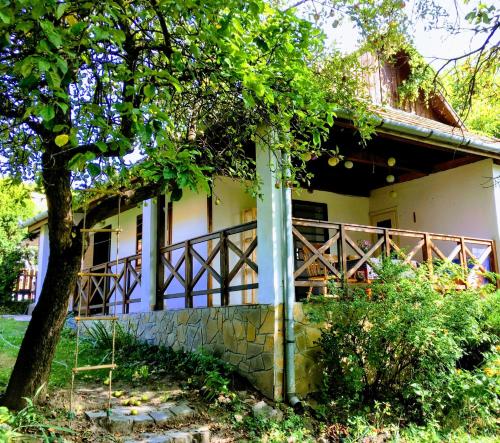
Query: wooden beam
point(161, 239)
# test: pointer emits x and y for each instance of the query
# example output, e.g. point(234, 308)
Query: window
point(311, 211)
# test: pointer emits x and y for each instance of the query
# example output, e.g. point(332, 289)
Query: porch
point(220, 268)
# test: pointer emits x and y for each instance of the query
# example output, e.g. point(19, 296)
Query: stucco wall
point(341, 208)
point(449, 202)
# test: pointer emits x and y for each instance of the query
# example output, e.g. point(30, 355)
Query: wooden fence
point(25, 285)
point(209, 264)
point(98, 293)
point(351, 253)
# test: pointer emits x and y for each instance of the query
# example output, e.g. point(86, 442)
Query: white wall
point(455, 201)
point(448, 202)
point(233, 201)
point(341, 208)
point(43, 259)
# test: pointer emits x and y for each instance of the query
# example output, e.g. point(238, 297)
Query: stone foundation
point(244, 336)
point(250, 337)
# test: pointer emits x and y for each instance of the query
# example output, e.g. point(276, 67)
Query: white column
point(149, 253)
point(43, 259)
point(271, 247)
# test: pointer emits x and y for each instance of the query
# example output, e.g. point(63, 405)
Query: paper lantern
point(391, 161)
point(333, 161)
point(393, 194)
point(390, 178)
point(348, 164)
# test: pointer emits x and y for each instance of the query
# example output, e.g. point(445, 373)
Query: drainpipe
point(289, 300)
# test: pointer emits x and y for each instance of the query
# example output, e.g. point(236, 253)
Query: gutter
point(31, 221)
point(466, 144)
point(470, 145)
point(289, 300)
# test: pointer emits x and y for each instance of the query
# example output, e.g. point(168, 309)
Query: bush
point(431, 355)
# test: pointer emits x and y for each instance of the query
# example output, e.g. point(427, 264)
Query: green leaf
point(329, 119)
point(94, 170)
point(51, 33)
point(47, 112)
point(149, 91)
point(61, 140)
point(61, 7)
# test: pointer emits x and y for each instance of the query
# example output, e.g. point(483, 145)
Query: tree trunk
point(37, 350)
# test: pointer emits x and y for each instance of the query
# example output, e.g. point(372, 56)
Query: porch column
point(272, 231)
point(271, 247)
point(43, 259)
point(149, 252)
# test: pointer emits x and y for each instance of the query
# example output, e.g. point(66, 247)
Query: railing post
point(427, 250)
point(188, 277)
point(224, 269)
point(343, 255)
point(387, 243)
point(126, 285)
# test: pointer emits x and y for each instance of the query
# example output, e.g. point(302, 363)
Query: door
point(99, 289)
point(387, 218)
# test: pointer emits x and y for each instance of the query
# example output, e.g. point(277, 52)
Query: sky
point(433, 44)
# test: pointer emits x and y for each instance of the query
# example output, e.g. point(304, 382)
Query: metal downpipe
point(289, 300)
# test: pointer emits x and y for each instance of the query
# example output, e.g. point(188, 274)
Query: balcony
point(220, 268)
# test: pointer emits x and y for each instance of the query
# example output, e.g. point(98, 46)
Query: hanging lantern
point(217, 201)
point(390, 178)
point(391, 161)
point(333, 161)
point(306, 156)
point(348, 164)
point(393, 194)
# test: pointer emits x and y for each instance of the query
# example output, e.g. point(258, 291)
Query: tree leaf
point(61, 140)
point(47, 112)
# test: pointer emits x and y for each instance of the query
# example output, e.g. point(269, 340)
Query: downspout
point(289, 300)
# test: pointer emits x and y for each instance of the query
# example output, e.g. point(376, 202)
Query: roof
point(410, 125)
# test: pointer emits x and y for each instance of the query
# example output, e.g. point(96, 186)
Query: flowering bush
point(432, 355)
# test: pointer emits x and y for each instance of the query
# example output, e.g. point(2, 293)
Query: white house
point(227, 271)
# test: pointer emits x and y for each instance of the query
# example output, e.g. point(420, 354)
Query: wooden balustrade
point(100, 293)
point(341, 259)
point(207, 265)
point(25, 285)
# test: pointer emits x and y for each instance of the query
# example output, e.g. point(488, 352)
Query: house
point(227, 272)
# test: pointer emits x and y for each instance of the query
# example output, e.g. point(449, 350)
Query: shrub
point(429, 354)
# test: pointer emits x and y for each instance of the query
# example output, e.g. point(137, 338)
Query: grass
point(11, 336)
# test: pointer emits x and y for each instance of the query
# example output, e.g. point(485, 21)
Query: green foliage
point(429, 355)
point(183, 84)
point(16, 426)
point(15, 205)
point(293, 427)
point(479, 107)
point(139, 361)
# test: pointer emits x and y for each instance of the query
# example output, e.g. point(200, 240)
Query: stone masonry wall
point(308, 372)
point(244, 336)
point(250, 337)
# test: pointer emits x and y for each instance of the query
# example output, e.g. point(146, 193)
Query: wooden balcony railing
point(351, 253)
point(221, 262)
point(99, 294)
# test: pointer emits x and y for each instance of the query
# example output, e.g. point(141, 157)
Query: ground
point(170, 392)
point(176, 401)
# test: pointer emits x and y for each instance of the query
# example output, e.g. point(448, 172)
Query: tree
point(387, 26)
point(15, 205)
point(182, 85)
point(481, 109)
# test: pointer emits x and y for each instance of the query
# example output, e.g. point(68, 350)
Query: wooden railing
point(351, 253)
point(25, 285)
point(216, 263)
point(99, 294)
